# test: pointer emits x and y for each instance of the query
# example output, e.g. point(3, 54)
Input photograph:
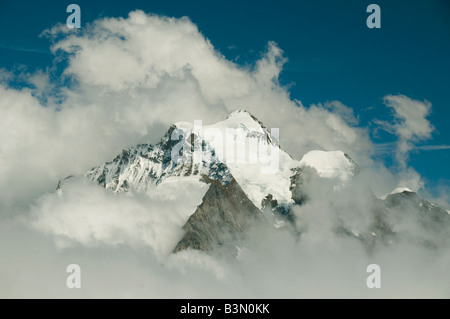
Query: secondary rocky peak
point(222, 217)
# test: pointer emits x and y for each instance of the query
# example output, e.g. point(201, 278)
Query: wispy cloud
point(22, 49)
point(410, 125)
point(384, 148)
point(433, 147)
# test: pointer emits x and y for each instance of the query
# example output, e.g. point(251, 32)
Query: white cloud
point(411, 123)
point(410, 126)
point(345, 112)
point(86, 213)
point(130, 79)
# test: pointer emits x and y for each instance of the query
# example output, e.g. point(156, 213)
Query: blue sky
point(332, 55)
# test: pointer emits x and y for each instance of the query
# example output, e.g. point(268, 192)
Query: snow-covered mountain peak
point(397, 190)
point(252, 154)
point(240, 173)
point(239, 147)
point(401, 190)
point(239, 125)
point(240, 113)
point(244, 119)
point(331, 164)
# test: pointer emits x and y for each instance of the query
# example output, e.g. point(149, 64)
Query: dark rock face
point(61, 182)
point(432, 223)
point(298, 179)
point(356, 168)
point(225, 213)
point(409, 204)
point(404, 216)
point(399, 217)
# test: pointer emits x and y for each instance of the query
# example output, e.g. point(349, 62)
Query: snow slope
point(239, 147)
point(401, 190)
point(259, 165)
point(333, 164)
point(396, 191)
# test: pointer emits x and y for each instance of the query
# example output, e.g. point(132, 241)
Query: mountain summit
point(239, 147)
point(249, 177)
